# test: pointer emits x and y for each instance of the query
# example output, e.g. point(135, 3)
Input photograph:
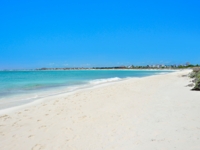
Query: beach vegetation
point(196, 75)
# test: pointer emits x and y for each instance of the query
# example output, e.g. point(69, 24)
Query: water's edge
point(68, 90)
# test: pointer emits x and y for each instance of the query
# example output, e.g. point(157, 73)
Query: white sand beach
point(152, 113)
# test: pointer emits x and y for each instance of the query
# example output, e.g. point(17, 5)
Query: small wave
point(162, 73)
point(99, 81)
point(13, 99)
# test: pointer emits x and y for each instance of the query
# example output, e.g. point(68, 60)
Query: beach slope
point(156, 112)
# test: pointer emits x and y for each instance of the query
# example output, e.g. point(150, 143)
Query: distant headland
point(129, 67)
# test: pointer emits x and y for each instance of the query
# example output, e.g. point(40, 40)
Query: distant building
point(129, 67)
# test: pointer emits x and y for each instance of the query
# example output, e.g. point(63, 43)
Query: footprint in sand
point(30, 136)
point(42, 127)
point(15, 124)
point(67, 140)
point(83, 117)
point(1, 133)
point(38, 147)
point(5, 117)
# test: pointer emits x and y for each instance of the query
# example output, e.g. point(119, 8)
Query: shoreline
point(44, 99)
point(154, 112)
point(61, 91)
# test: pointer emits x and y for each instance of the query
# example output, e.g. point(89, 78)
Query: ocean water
point(21, 87)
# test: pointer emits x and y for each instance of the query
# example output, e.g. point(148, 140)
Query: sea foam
point(100, 81)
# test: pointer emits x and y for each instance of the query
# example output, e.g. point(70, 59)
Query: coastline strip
point(156, 112)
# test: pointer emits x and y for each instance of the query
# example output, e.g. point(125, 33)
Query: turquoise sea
point(21, 87)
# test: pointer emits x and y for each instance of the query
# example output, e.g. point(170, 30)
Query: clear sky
point(68, 33)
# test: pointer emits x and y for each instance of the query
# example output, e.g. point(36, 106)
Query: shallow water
point(20, 87)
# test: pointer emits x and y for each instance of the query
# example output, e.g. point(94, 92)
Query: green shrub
point(198, 75)
point(197, 81)
point(192, 75)
point(196, 69)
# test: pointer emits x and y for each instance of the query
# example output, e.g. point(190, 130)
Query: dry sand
point(151, 113)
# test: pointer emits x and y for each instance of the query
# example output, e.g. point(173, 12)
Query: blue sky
point(98, 33)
